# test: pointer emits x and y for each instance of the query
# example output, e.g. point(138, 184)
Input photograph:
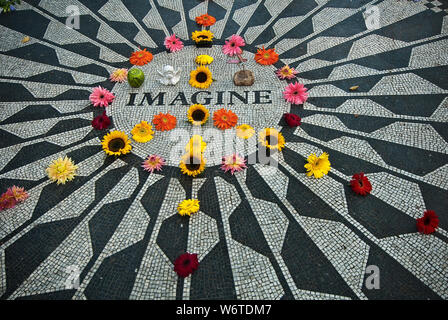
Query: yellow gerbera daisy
point(116, 143)
point(201, 77)
point(62, 170)
point(318, 166)
point(198, 114)
point(203, 35)
point(142, 132)
point(196, 145)
point(187, 207)
point(204, 59)
point(245, 131)
point(271, 139)
point(192, 165)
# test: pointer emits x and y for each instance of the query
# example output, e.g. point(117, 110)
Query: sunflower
point(164, 121)
point(318, 166)
point(198, 114)
point(245, 131)
point(201, 77)
point(271, 139)
point(142, 132)
point(203, 35)
point(62, 170)
point(116, 143)
point(203, 59)
point(224, 119)
point(266, 57)
point(192, 165)
point(187, 207)
point(196, 145)
point(140, 57)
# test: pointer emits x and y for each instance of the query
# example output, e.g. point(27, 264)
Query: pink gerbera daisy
point(101, 97)
point(7, 200)
point(173, 44)
point(153, 162)
point(286, 72)
point(233, 163)
point(119, 75)
point(19, 194)
point(232, 46)
point(295, 93)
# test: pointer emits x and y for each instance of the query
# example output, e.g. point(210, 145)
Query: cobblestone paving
point(259, 234)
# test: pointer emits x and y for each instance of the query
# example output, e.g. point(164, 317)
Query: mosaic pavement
point(258, 235)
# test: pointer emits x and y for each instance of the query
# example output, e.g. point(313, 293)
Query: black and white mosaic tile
point(260, 234)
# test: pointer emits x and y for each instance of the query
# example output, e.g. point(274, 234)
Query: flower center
point(165, 120)
point(186, 262)
point(224, 118)
point(360, 183)
point(194, 164)
point(202, 37)
point(60, 168)
point(266, 55)
point(116, 144)
point(142, 131)
point(426, 221)
point(101, 96)
point(201, 77)
point(198, 115)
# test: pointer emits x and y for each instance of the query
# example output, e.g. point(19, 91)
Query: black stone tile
point(25, 254)
point(56, 295)
point(36, 52)
point(395, 281)
point(246, 230)
point(308, 266)
point(422, 25)
point(173, 236)
point(380, 218)
point(213, 280)
point(104, 223)
point(114, 279)
point(436, 199)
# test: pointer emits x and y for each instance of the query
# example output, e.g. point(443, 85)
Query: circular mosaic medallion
point(260, 105)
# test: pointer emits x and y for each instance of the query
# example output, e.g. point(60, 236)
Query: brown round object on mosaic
point(244, 78)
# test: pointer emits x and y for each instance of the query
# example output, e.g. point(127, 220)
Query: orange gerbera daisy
point(205, 20)
point(140, 57)
point(266, 57)
point(164, 121)
point(224, 119)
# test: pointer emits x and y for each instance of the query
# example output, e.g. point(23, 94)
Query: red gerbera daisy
point(293, 120)
point(185, 264)
point(164, 121)
point(101, 122)
point(140, 57)
point(224, 119)
point(205, 20)
point(360, 184)
point(266, 56)
point(428, 223)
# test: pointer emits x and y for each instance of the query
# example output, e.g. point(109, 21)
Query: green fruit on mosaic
point(136, 77)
